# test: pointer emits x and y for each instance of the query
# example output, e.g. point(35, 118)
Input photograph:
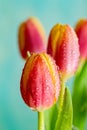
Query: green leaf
point(64, 119)
point(51, 117)
point(59, 117)
point(80, 98)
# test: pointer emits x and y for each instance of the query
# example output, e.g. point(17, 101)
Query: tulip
point(81, 31)
point(40, 82)
point(64, 48)
point(31, 37)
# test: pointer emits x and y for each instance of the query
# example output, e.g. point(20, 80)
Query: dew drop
point(47, 88)
point(64, 45)
point(47, 100)
point(36, 94)
point(46, 80)
point(33, 109)
point(37, 88)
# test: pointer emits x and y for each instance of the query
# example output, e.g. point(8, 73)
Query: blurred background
point(14, 114)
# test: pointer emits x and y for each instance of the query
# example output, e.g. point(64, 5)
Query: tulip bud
point(81, 31)
point(31, 37)
point(63, 47)
point(40, 82)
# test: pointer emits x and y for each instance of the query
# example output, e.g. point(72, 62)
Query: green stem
point(40, 120)
point(62, 93)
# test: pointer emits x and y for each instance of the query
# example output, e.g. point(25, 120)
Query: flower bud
point(31, 37)
point(40, 82)
point(81, 31)
point(63, 47)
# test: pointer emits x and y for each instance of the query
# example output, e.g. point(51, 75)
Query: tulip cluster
point(48, 67)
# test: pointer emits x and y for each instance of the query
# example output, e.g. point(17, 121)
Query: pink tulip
point(31, 37)
point(64, 48)
point(81, 31)
point(40, 82)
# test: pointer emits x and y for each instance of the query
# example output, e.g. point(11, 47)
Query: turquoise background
point(14, 114)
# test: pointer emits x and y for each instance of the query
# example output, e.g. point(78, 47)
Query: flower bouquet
point(49, 64)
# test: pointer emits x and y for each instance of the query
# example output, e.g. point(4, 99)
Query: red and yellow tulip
point(81, 31)
point(40, 83)
point(31, 37)
point(64, 48)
